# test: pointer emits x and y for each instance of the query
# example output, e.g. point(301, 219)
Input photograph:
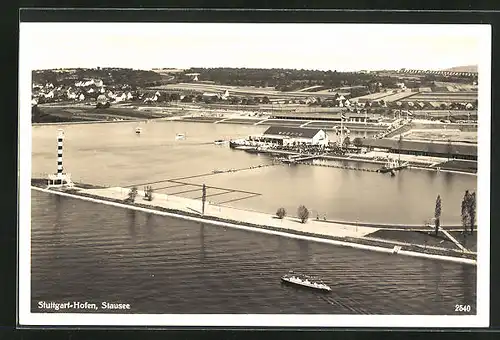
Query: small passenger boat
point(219, 142)
point(180, 136)
point(138, 130)
point(305, 281)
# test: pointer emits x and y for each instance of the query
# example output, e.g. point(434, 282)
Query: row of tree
point(468, 208)
point(133, 192)
point(468, 212)
point(302, 213)
point(109, 76)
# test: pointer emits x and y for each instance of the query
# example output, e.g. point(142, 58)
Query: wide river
point(113, 155)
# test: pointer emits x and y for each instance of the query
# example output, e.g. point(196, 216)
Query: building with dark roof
point(432, 149)
point(330, 117)
point(292, 136)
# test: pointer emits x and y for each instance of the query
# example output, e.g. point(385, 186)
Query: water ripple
point(83, 251)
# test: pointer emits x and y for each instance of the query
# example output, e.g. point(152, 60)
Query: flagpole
point(341, 130)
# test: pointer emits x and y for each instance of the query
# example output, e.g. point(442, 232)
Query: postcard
point(254, 174)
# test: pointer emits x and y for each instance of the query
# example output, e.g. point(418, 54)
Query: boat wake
point(349, 305)
point(346, 305)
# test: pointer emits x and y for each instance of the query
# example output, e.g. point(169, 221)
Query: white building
point(210, 95)
point(292, 136)
point(70, 94)
point(194, 76)
point(120, 98)
point(102, 99)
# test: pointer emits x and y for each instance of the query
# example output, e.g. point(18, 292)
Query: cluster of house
point(88, 89)
point(420, 105)
point(340, 101)
point(436, 105)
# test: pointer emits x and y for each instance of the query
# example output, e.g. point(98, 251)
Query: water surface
point(83, 251)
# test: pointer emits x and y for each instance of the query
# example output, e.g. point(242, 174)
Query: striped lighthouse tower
point(60, 179)
point(60, 138)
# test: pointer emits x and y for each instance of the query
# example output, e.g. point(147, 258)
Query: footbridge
point(301, 157)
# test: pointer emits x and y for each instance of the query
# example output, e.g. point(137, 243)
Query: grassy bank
point(49, 114)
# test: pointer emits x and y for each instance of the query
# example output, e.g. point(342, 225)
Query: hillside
point(110, 76)
point(468, 68)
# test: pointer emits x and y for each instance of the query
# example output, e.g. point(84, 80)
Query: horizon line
point(255, 68)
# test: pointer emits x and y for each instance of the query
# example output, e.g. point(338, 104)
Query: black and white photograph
point(254, 174)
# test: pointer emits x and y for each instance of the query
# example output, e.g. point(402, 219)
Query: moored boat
point(252, 149)
point(233, 144)
point(393, 165)
point(243, 147)
point(220, 142)
point(305, 281)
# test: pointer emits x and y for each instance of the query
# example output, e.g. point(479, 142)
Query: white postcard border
point(258, 320)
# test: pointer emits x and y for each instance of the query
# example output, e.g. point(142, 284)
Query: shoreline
point(344, 235)
point(250, 121)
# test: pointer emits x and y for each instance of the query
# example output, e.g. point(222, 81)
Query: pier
point(338, 166)
point(301, 158)
point(177, 179)
point(331, 233)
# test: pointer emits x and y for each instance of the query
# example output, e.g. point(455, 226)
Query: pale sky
point(342, 47)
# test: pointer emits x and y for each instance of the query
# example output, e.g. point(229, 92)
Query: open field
point(89, 113)
point(373, 96)
point(454, 135)
point(426, 124)
point(253, 91)
point(399, 96)
point(311, 88)
point(444, 97)
point(428, 238)
point(456, 86)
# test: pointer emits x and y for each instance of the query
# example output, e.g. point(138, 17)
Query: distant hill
point(468, 68)
point(110, 76)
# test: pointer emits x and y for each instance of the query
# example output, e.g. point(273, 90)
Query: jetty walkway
point(192, 205)
point(337, 166)
point(318, 231)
